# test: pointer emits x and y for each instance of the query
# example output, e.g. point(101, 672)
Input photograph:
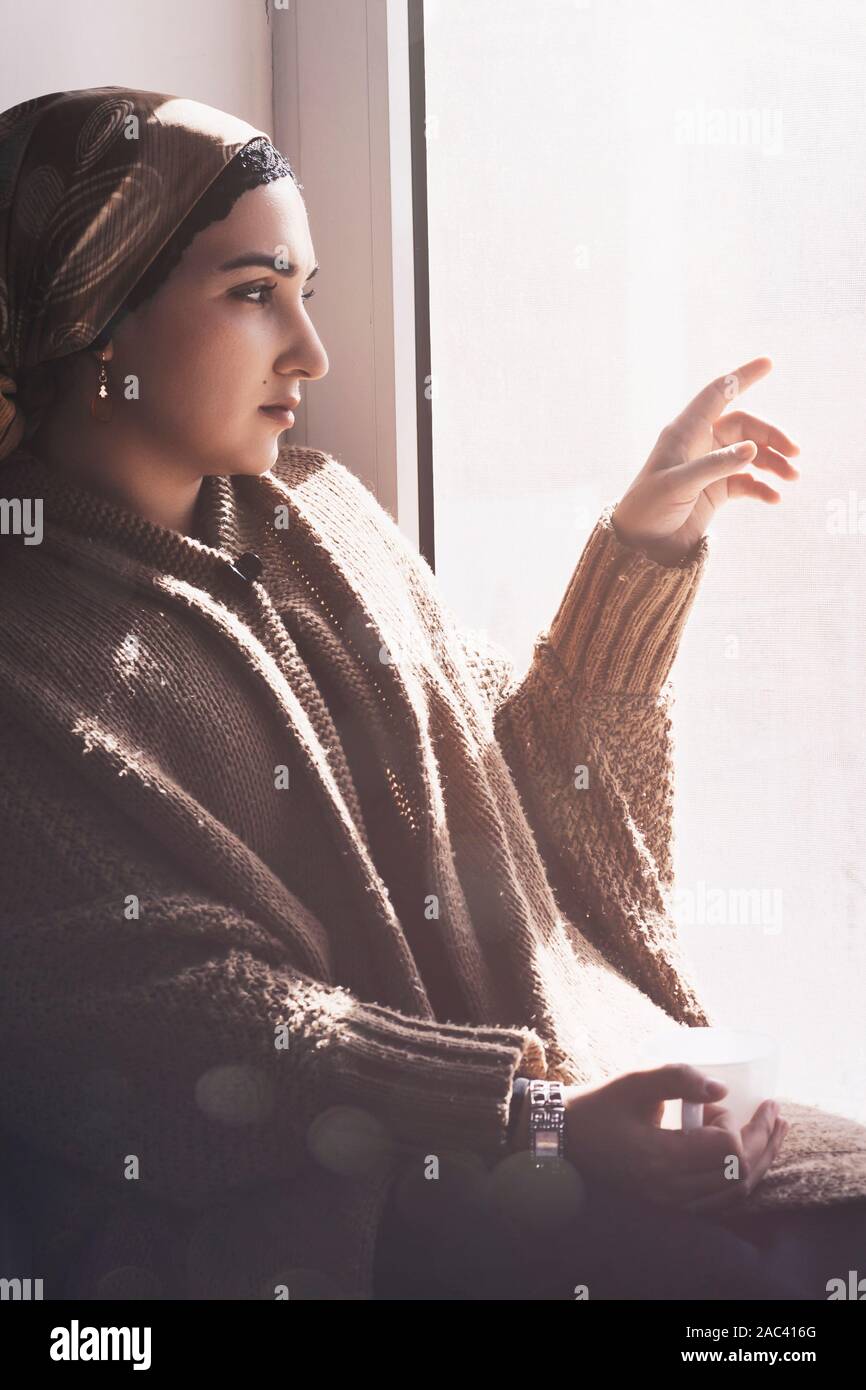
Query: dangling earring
point(101, 406)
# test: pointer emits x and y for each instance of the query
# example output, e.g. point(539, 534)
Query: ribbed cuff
point(620, 621)
point(433, 1085)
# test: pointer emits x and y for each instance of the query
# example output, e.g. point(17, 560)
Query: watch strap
point(547, 1123)
point(518, 1091)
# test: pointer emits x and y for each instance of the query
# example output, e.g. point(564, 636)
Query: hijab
point(93, 183)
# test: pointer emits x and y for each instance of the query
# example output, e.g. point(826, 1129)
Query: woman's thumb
point(674, 1081)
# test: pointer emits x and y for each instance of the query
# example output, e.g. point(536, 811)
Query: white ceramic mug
point(747, 1063)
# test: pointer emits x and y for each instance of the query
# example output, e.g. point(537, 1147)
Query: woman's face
point(215, 344)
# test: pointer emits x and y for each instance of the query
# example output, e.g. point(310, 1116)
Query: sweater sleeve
point(587, 735)
point(621, 618)
point(184, 1037)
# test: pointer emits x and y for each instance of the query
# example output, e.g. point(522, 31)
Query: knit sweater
point(299, 874)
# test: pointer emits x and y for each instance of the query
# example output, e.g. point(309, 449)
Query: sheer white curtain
point(626, 199)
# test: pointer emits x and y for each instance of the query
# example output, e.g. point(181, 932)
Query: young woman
point(298, 879)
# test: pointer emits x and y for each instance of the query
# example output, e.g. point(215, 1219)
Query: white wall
point(216, 51)
point(341, 115)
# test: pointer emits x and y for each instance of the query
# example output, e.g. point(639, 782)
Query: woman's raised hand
point(697, 465)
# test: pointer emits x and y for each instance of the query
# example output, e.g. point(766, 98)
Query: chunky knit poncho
point(298, 875)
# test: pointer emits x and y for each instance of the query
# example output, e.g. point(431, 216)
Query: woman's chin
point(255, 462)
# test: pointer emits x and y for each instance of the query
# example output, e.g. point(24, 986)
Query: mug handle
point(693, 1114)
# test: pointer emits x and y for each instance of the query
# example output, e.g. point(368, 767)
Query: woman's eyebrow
point(259, 258)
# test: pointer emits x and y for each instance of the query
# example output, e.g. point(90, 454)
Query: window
point(626, 199)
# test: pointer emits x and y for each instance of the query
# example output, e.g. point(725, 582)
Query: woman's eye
point(264, 290)
point(255, 289)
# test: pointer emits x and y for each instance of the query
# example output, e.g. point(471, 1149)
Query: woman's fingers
point(740, 425)
point(694, 476)
point(715, 1112)
point(709, 403)
point(687, 1154)
point(762, 1139)
point(757, 1131)
point(694, 1162)
point(709, 1182)
point(744, 485)
point(773, 445)
point(774, 462)
point(768, 458)
point(730, 1191)
point(728, 463)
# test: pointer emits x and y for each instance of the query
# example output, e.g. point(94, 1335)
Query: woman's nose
point(309, 356)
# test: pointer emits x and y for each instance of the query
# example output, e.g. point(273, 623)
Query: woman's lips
point(276, 412)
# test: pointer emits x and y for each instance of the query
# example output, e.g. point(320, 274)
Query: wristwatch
point(518, 1090)
point(547, 1123)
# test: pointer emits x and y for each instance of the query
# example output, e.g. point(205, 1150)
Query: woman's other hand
point(612, 1132)
point(756, 1145)
point(697, 465)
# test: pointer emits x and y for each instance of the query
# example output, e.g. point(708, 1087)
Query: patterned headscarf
point(92, 185)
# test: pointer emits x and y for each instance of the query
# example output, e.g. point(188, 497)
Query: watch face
point(547, 1142)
